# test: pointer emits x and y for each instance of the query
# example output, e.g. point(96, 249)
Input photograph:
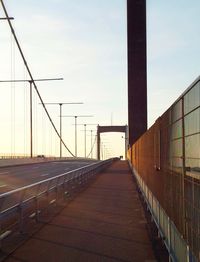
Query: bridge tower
point(103, 129)
point(137, 72)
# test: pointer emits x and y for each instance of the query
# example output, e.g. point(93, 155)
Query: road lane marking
point(34, 214)
point(5, 234)
point(3, 185)
point(67, 162)
point(4, 173)
point(45, 174)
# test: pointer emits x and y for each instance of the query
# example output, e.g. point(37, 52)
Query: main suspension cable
point(31, 77)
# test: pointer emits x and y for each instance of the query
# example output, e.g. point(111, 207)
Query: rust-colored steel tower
point(137, 72)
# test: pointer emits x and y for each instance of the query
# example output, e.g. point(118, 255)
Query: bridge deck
point(105, 222)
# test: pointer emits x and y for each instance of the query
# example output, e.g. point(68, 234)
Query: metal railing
point(177, 247)
point(19, 205)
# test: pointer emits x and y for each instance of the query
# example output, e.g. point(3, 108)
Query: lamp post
point(102, 150)
point(60, 105)
point(31, 113)
point(91, 136)
point(85, 130)
point(126, 146)
point(75, 120)
point(105, 145)
point(91, 144)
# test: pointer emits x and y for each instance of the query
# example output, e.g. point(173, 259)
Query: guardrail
point(2, 156)
point(17, 161)
point(177, 247)
point(28, 202)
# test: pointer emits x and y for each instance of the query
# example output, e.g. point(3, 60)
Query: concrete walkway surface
point(104, 223)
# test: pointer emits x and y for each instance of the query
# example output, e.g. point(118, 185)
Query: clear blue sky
point(85, 42)
point(173, 51)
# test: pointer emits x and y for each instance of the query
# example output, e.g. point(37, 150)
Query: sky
point(173, 60)
point(85, 42)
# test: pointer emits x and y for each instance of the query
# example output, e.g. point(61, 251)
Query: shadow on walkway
point(105, 222)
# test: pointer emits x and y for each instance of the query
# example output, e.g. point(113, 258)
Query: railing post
point(36, 209)
point(169, 237)
point(37, 205)
point(1, 232)
point(188, 254)
point(48, 185)
point(20, 219)
point(21, 211)
point(158, 209)
point(57, 181)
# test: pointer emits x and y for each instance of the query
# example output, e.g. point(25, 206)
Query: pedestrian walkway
point(104, 223)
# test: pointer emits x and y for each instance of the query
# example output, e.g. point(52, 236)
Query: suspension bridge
point(66, 198)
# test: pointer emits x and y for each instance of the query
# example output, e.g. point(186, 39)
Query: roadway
point(18, 176)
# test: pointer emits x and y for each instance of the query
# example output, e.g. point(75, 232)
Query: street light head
point(76, 116)
point(6, 18)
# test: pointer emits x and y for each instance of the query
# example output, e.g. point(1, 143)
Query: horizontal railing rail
point(29, 201)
